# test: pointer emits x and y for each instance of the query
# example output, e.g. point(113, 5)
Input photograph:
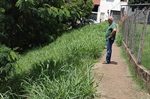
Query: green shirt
point(109, 31)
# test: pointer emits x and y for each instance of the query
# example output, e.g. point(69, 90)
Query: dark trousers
point(109, 44)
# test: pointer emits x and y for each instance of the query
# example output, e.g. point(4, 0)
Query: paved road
point(114, 80)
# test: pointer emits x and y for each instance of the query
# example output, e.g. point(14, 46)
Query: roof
point(96, 2)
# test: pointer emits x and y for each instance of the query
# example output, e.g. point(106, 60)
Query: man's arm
point(112, 33)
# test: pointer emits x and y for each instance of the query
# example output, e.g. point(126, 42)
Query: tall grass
point(146, 48)
point(85, 42)
point(62, 70)
point(119, 38)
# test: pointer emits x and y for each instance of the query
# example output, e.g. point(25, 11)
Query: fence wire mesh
point(136, 32)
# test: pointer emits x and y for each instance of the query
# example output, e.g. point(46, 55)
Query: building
point(96, 11)
point(104, 8)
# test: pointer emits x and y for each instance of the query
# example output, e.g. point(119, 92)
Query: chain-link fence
point(136, 32)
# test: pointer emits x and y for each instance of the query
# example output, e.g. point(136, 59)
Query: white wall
point(98, 15)
point(107, 6)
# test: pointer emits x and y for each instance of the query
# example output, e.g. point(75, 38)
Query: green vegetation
point(146, 50)
point(119, 39)
point(7, 62)
point(145, 54)
point(28, 23)
point(138, 1)
point(60, 70)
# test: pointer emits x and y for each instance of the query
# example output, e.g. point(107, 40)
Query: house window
point(110, 0)
point(95, 9)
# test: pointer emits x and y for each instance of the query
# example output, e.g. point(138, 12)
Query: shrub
point(119, 39)
point(7, 62)
point(34, 22)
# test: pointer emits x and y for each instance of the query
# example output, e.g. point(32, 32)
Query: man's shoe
point(105, 62)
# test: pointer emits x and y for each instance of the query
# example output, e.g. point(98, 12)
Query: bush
point(34, 22)
point(7, 62)
point(119, 39)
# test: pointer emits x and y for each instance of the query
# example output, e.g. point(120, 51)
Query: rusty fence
point(135, 21)
point(136, 32)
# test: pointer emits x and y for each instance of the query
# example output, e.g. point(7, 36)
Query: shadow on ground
point(113, 62)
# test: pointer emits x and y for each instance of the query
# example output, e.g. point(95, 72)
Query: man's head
point(110, 19)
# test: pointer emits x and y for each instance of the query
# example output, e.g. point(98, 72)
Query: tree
point(138, 1)
point(27, 23)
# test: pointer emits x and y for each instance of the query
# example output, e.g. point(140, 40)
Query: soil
point(114, 80)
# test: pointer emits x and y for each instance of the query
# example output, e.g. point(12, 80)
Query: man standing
point(110, 37)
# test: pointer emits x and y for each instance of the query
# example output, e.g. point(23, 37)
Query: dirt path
point(114, 80)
